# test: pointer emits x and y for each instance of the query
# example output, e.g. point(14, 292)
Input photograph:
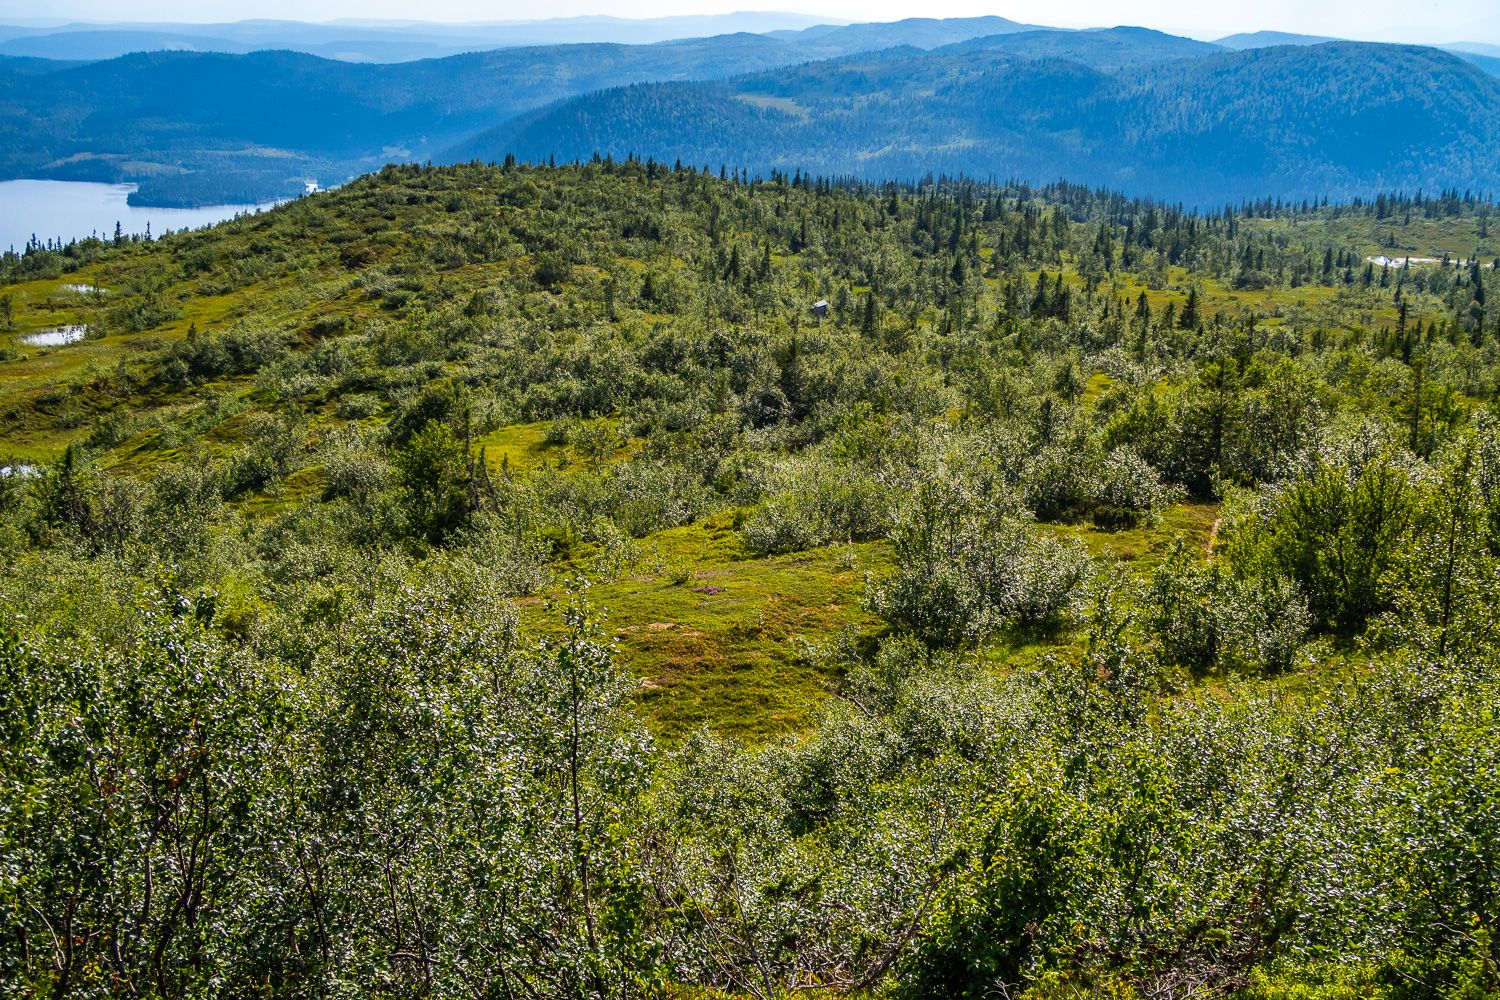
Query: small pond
point(56, 337)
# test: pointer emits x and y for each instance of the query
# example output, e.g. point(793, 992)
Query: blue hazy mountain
point(1487, 61)
point(1266, 39)
point(1339, 119)
point(376, 41)
point(1107, 49)
point(917, 32)
point(1486, 57)
point(1128, 107)
point(93, 46)
point(19, 66)
point(202, 127)
point(379, 41)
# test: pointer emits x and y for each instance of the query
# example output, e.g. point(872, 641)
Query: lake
point(75, 209)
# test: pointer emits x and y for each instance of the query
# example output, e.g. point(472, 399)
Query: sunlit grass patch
point(719, 637)
point(1144, 547)
point(297, 489)
point(520, 447)
point(1097, 385)
point(725, 646)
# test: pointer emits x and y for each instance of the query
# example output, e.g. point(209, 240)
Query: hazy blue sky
point(1389, 20)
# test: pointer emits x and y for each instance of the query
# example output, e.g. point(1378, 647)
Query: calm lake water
point(74, 210)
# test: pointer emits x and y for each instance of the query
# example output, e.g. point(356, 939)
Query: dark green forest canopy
point(621, 579)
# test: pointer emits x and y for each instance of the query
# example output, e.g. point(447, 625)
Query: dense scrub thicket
point(276, 720)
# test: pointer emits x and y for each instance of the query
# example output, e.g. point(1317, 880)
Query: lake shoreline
point(64, 211)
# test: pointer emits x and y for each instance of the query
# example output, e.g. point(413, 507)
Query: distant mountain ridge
point(200, 127)
point(917, 32)
point(1266, 39)
point(378, 41)
point(1490, 64)
point(353, 40)
point(1335, 119)
point(1106, 49)
point(106, 44)
point(409, 42)
point(980, 95)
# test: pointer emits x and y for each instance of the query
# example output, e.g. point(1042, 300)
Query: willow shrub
point(429, 802)
point(820, 502)
point(969, 560)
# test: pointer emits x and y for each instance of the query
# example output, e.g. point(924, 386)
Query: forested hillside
point(623, 580)
point(1129, 108)
point(207, 128)
point(1110, 49)
point(1342, 119)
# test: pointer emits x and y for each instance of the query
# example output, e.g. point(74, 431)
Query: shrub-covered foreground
point(429, 805)
point(282, 713)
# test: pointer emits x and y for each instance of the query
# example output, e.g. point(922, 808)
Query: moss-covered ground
point(723, 638)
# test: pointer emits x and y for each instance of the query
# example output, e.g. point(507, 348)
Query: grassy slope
point(721, 648)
